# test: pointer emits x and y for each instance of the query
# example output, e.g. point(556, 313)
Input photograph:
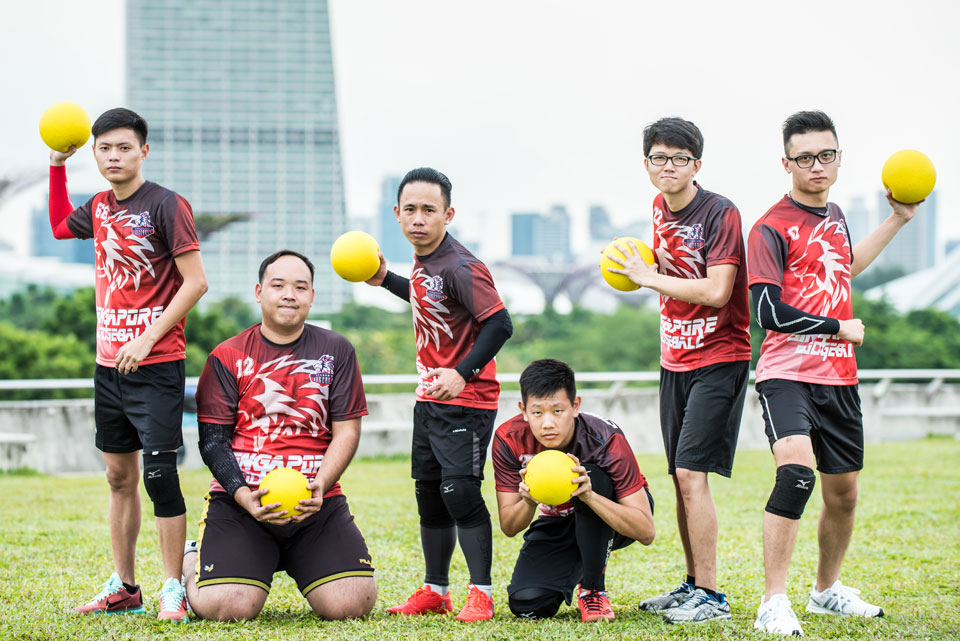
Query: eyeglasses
point(678, 161)
point(805, 161)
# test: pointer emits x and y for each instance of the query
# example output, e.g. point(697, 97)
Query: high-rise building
point(524, 236)
point(916, 246)
point(392, 242)
point(600, 226)
point(42, 242)
point(241, 103)
point(861, 220)
point(544, 237)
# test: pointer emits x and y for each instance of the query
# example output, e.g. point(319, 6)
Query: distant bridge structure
point(555, 279)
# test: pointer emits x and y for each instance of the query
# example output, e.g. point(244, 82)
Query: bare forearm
point(191, 290)
point(515, 518)
point(866, 251)
point(629, 521)
point(699, 291)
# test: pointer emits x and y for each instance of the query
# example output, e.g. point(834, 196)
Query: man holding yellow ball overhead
point(801, 261)
point(701, 277)
point(148, 276)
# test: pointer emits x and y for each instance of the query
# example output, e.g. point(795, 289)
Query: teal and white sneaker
point(777, 617)
point(673, 599)
point(173, 602)
point(699, 607)
point(843, 600)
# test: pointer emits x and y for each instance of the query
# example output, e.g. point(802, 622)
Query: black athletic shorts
point(700, 414)
point(828, 414)
point(449, 440)
point(236, 548)
point(550, 558)
point(142, 410)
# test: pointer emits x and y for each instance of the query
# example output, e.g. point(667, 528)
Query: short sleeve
point(217, 393)
point(766, 255)
point(473, 287)
point(623, 469)
point(726, 247)
point(347, 398)
point(174, 221)
point(80, 220)
point(506, 466)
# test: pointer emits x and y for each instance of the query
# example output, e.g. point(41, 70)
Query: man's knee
point(464, 502)
point(228, 602)
point(535, 603)
point(791, 491)
point(162, 482)
point(350, 598)
point(840, 497)
point(433, 511)
point(690, 482)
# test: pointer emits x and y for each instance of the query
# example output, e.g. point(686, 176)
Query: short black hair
point(804, 122)
point(673, 132)
point(428, 175)
point(274, 257)
point(120, 118)
point(546, 377)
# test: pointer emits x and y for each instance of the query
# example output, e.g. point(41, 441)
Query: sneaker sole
point(719, 617)
point(816, 609)
point(140, 610)
point(762, 628)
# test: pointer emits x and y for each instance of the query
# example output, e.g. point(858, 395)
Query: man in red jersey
point(801, 263)
point(279, 394)
point(460, 325)
point(701, 276)
point(569, 544)
point(148, 276)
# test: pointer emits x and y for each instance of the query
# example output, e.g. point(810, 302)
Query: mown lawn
point(905, 555)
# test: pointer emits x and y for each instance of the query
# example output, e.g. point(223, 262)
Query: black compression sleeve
point(397, 285)
point(775, 315)
point(493, 334)
point(216, 452)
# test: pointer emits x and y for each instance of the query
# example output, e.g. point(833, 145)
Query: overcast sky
point(526, 103)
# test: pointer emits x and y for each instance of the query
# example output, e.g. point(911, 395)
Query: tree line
point(44, 334)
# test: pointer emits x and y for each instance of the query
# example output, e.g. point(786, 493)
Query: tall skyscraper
point(241, 103)
point(543, 237)
point(917, 245)
point(861, 220)
point(392, 243)
point(524, 228)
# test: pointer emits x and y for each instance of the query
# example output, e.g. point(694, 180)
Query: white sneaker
point(777, 617)
point(841, 599)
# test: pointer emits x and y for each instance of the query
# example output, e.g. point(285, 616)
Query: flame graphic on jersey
point(693, 264)
point(829, 276)
point(281, 415)
point(121, 259)
point(428, 320)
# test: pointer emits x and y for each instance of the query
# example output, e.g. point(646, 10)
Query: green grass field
point(905, 555)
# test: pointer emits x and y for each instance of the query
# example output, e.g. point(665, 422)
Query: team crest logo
point(435, 288)
point(143, 228)
point(323, 370)
point(694, 239)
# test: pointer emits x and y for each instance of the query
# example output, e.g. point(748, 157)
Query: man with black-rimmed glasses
point(701, 277)
point(801, 262)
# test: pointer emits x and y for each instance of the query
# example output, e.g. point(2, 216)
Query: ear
point(576, 407)
point(396, 212)
point(448, 216)
point(144, 150)
point(839, 157)
point(256, 292)
point(786, 165)
point(696, 166)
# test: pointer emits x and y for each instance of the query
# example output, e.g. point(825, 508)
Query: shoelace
point(170, 598)
point(695, 601)
point(107, 589)
point(593, 601)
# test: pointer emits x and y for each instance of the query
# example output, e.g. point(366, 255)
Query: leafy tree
point(37, 354)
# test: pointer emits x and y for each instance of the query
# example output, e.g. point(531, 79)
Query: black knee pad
point(461, 495)
point(163, 483)
point(791, 491)
point(432, 509)
point(535, 603)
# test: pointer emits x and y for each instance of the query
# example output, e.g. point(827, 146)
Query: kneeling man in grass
point(279, 394)
point(610, 506)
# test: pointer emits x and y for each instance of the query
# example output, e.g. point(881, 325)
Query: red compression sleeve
point(59, 204)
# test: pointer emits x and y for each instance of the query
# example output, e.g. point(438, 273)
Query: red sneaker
point(479, 606)
point(173, 602)
point(594, 606)
point(114, 599)
point(424, 601)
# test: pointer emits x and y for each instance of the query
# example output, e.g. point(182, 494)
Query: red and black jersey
point(595, 440)
point(281, 399)
point(807, 255)
point(704, 233)
point(136, 240)
point(451, 294)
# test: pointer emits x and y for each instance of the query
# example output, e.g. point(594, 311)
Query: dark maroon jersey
point(595, 440)
point(136, 240)
point(281, 399)
point(451, 293)
point(704, 233)
point(808, 256)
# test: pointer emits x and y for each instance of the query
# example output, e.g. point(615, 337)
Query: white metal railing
point(884, 377)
